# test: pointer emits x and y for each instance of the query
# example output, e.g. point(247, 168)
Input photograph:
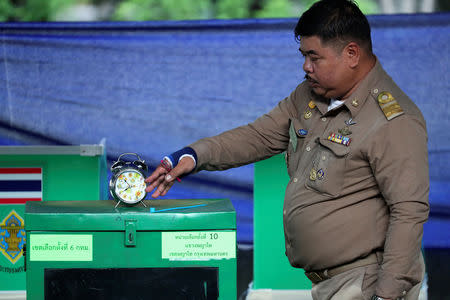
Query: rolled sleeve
point(399, 160)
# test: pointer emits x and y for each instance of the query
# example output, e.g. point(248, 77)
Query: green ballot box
point(165, 249)
point(41, 173)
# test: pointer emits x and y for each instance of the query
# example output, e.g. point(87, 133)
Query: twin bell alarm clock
point(127, 181)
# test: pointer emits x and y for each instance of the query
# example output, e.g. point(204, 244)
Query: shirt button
point(324, 119)
point(295, 179)
point(308, 148)
point(375, 91)
point(404, 293)
point(284, 212)
point(324, 158)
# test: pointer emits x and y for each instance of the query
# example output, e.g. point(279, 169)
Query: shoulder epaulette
point(389, 105)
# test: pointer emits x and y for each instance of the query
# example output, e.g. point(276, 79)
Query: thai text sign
point(60, 247)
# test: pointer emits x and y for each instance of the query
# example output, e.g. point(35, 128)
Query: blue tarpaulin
point(154, 87)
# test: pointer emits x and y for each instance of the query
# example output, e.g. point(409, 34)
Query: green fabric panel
point(271, 266)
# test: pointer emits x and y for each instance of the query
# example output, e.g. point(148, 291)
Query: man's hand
point(163, 180)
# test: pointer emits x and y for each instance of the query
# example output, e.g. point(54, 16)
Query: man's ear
point(352, 53)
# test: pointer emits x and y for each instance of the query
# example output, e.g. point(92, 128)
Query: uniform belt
point(319, 276)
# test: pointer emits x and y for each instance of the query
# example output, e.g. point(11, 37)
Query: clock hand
point(126, 182)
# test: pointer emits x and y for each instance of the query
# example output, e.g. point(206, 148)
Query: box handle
point(130, 233)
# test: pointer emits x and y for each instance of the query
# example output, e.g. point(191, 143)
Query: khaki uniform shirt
point(344, 200)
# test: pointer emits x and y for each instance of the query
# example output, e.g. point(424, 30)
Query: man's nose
point(307, 67)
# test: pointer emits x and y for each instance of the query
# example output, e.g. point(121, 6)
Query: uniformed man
point(356, 154)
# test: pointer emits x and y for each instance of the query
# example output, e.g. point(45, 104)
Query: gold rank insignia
point(311, 104)
point(313, 174)
point(355, 102)
point(389, 105)
point(307, 115)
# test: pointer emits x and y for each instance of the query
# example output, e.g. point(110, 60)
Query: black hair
point(335, 21)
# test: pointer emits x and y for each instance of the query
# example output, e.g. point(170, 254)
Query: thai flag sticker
point(19, 185)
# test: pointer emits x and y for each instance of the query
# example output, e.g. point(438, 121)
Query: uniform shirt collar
point(356, 101)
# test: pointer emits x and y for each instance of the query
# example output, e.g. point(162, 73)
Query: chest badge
point(313, 174)
point(302, 132)
point(350, 122)
point(320, 174)
point(307, 114)
point(339, 139)
point(345, 131)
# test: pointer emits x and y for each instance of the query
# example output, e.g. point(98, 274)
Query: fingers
point(156, 174)
point(162, 188)
point(167, 188)
point(164, 184)
point(155, 178)
point(163, 180)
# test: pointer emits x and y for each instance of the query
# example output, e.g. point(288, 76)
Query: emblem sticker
point(12, 236)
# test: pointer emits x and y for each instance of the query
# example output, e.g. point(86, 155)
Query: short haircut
point(336, 22)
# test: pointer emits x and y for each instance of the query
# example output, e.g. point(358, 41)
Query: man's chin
point(318, 90)
point(325, 93)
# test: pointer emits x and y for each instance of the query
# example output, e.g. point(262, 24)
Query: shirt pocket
point(297, 135)
point(328, 168)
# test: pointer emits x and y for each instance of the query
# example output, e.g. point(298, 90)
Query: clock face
point(130, 186)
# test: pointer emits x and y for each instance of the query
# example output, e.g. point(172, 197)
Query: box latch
point(130, 233)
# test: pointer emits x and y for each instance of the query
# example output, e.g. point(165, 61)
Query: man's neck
point(367, 64)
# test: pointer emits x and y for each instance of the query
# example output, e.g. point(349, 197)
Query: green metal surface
point(109, 229)
point(270, 183)
point(66, 177)
point(198, 214)
point(68, 173)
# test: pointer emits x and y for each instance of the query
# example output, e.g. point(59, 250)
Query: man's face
point(326, 68)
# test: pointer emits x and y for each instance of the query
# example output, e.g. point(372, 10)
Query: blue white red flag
point(19, 185)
